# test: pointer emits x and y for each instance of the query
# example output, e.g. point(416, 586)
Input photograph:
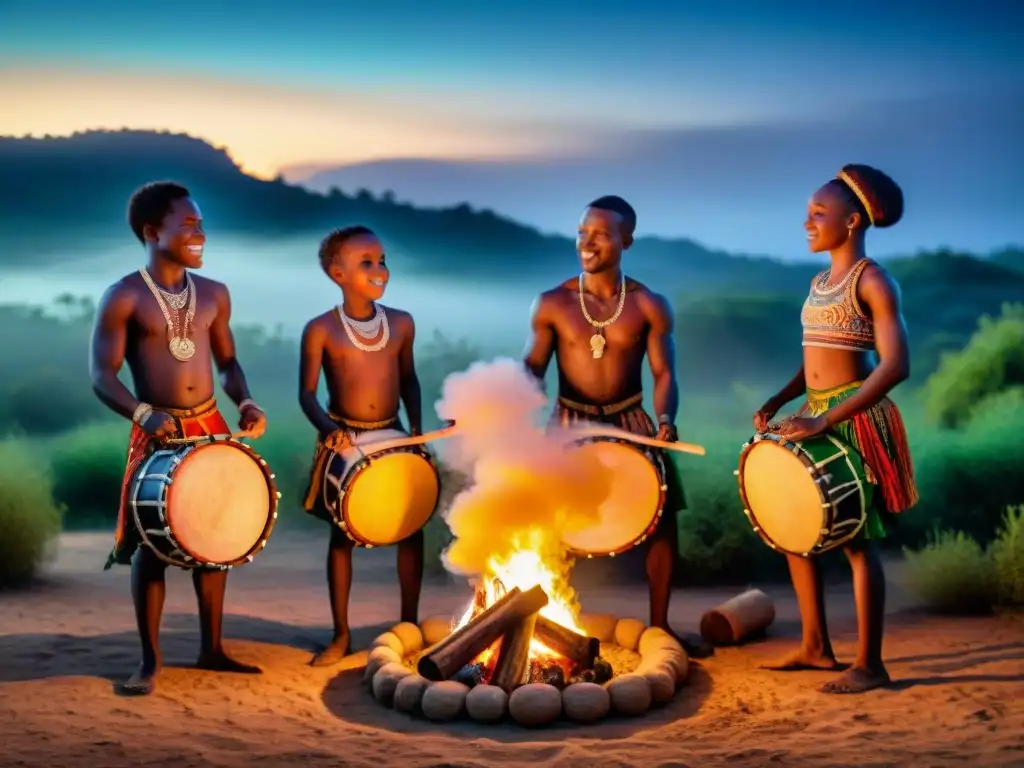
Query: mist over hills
point(60, 197)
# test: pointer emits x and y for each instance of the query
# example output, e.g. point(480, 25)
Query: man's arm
point(409, 383)
point(310, 361)
point(222, 344)
point(107, 350)
point(661, 354)
point(880, 293)
point(540, 346)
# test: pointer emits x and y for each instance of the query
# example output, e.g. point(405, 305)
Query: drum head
point(782, 496)
point(218, 503)
point(631, 506)
point(391, 498)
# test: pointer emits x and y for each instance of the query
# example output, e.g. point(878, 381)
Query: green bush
point(1007, 553)
point(30, 520)
point(88, 465)
point(952, 574)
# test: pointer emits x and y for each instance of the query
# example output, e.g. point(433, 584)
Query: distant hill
point(84, 182)
point(57, 194)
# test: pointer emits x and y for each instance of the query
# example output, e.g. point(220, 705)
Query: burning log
point(514, 656)
point(579, 649)
point(466, 643)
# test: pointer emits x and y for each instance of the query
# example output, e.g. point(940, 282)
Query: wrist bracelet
point(248, 403)
point(142, 413)
point(664, 419)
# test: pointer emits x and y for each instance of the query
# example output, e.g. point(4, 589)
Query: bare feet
point(333, 654)
point(143, 682)
point(803, 660)
point(694, 646)
point(221, 662)
point(858, 680)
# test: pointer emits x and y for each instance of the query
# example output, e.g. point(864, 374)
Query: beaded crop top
point(832, 316)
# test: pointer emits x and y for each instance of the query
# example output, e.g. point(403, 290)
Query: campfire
point(522, 647)
point(521, 627)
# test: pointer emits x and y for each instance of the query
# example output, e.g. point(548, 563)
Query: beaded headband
point(847, 179)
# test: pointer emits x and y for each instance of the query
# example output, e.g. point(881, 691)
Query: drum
point(633, 508)
point(807, 497)
point(381, 497)
point(210, 503)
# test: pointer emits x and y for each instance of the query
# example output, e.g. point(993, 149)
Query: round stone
point(585, 702)
point(486, 703)
point(444, 701)
point(535, 704)
point(630, 695)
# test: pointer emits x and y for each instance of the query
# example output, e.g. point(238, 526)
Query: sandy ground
point(63, 644)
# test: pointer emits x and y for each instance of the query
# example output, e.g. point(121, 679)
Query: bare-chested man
point(599, 379)
point(365, 352)
point(166, 323)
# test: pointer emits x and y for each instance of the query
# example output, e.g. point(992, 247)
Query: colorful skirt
point(878, 434)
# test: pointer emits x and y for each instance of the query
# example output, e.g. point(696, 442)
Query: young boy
point(365, 351)
point(169, 325)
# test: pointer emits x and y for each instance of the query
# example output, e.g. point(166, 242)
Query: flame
point(535, 557)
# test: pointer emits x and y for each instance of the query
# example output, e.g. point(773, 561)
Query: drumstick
point(596, 431)
point(375, 446)
point(199, 438)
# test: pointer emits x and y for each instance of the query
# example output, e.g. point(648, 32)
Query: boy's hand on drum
point(764, 416)
point(338, 440)
point(253, 421)
point(159, 425)
point(667, 433)
point(800, 427)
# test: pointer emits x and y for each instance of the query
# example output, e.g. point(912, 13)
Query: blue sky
point(631, 63)
point(305, 86)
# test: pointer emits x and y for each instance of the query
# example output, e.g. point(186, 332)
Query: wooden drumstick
point(375, 446)
point(199, 438)
point(599, 431)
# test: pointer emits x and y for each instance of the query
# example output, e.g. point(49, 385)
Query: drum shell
point(657, 461)
point(842, 517)
point(148, 502)
point(341, 473)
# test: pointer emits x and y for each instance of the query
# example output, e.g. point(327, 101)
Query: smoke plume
point(525, 485)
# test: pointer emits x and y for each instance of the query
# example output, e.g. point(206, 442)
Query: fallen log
point(745, 616)
point(462, 646)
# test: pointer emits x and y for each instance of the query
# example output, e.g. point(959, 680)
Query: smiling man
point(167, 324)
point(599, 326)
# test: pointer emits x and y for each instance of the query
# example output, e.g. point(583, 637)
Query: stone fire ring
point(663, 667)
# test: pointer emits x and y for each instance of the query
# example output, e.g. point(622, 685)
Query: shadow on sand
point(350, 700)
point(113, 657)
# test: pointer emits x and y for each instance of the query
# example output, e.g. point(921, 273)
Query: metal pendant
point(182, 349)
point(597, 343)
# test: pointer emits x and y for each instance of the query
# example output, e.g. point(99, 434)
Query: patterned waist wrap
point(312, 499)
point(878, 434)
point(204, 419)
point(628, 415)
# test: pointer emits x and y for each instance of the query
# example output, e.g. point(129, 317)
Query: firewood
point(462, 646)
point(514, 656)
point(578, 649)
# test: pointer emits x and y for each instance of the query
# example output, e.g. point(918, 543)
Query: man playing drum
point(599, 327)
point(166, 323)
point(851, 314)
point(366, 353)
